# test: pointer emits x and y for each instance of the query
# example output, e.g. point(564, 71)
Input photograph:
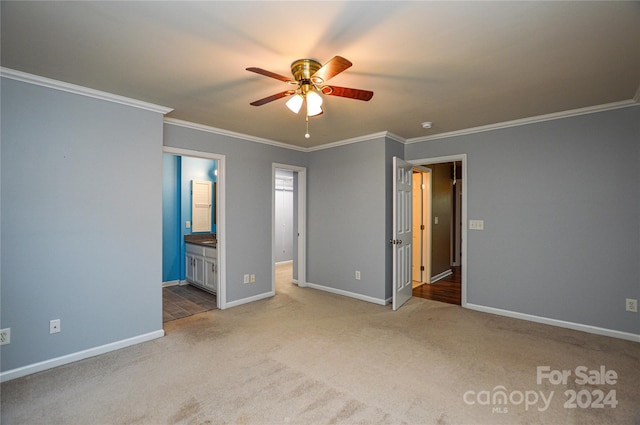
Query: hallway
point(447, 290)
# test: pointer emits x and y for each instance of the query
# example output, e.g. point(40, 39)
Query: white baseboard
point(347, 293)
point(80, 355)
point(250, 299)
point(171, 283)
point(441, 276)
point(555, 322)
point(282, 263)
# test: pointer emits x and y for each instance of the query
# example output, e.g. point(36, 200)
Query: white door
point(201, 196)
point(402, 232)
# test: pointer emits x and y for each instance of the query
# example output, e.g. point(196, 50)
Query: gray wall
point(81, 222)
point(249, 192)
point(346, 218)
point(559, 200)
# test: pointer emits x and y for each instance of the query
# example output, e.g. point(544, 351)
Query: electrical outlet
point(5, 336)
point(253, 278)
point(357, 274)
point(54, 326)
point(246, 278)
point(476, 224)
point(632, 305)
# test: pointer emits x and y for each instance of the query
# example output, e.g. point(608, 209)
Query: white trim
point(80, 90)
point(221, 224)
point(342, 292)
point(250, 299)
point(359, 139)
point(110, 97)
point(282, 263)
point(441, 276)
point(171, 283)
point(555, 322)
point(246, 137)
point(464, 256)
point(529, 120)
point(80, 355)
point(214, 130)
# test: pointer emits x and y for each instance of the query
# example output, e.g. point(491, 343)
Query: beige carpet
point(309, 357)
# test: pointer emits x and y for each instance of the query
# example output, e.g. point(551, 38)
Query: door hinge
point(421, 268)
point(422, 227)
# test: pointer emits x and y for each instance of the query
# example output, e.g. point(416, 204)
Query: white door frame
point(302, 222)
point(463, 159)
point(221, 295)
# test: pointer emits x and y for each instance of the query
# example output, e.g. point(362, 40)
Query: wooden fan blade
point(272, 98)
point(347, 92)
point(269, 74)
point(335, 66)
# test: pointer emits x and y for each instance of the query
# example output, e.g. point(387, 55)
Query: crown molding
point(97, 94)
point(80, 90)
point(529, 120)
point(246, 137)
point(358, 139)
point(214, 130)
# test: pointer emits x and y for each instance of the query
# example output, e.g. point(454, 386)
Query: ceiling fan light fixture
point(295, 103)
point(314, 103)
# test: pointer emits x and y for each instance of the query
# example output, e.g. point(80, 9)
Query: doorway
point(448, 198)
point(288, 225)
point(180, 226)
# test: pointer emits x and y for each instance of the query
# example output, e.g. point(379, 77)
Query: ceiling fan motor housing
point(303, 69)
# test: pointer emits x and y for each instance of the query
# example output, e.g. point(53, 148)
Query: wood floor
point(185, 300)
point(447, 290)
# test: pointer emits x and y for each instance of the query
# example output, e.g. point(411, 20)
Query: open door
point(402, 231)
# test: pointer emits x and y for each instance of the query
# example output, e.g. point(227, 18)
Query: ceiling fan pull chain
point(307, 135)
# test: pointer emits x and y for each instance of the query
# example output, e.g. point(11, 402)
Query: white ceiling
point(458, 64)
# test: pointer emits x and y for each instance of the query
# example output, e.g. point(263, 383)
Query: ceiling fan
point(309, 78)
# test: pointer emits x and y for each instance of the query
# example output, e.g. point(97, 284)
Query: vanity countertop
point(208, 240)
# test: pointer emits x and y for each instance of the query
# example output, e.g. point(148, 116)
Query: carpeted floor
point(310, 357)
